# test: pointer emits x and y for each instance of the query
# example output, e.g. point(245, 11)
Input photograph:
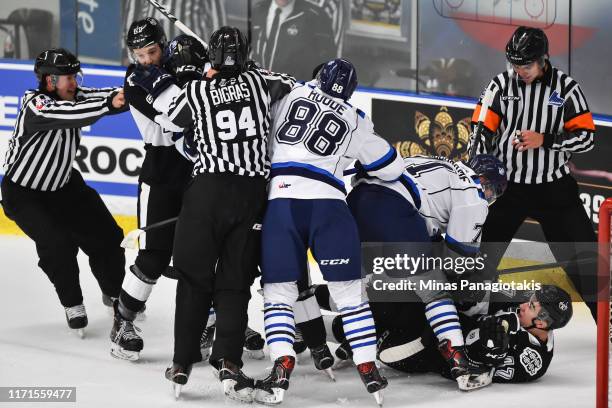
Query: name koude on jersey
point(315, 138)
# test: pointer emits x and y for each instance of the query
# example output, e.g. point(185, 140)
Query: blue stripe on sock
point(275, 304)
point(266, 316)
point(442, 303)
point(442, 315)
point(348, 333)
point(367, 343)
point(270, 326)
point(456, 327)
point(285, 339)
point(353, 307)
point(357, 319)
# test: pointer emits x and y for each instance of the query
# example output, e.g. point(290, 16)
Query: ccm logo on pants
point(334, 261)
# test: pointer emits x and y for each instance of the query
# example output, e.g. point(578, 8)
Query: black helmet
point(228, 50)
point(527, 44)
point(143, 33)
point(186, 54)
point(56, 61)
point(556, 306)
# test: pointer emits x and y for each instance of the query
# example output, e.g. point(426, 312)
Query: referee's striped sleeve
point(43, 113)
point(578, 126)
point(492, 119)
point(97, 92)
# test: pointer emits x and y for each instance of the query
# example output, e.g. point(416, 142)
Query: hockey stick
point(131, 240)
point(177, 23)
point(487, 100)
point(529, 268)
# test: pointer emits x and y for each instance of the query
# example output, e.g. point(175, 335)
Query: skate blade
point(176, 388)
point(79, 332)
point(255, 354)
point(244, 395)
point(330, 374)
point(122, 354)
point(378, 396)
point(266, 398)
point(470, 382)
point(340, 364)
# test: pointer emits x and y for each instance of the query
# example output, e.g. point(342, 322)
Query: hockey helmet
point(492, 175)
point(228, 50)
point(338, 78)
point(527, 44)
point(556, 306)
point(143, 33)
point(56, 61)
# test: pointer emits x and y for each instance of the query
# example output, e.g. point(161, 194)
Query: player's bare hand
point(527, 139)
point(119, 99)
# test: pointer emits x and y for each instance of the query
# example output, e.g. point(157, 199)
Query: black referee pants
point(60, 222)
point(558, 209)
point(216, 253)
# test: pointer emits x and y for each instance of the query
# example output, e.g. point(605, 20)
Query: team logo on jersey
point(41, 101)
point(284, 185)
point(555, 99)
point(440, 136)
point(531, 360)
point(293, 30)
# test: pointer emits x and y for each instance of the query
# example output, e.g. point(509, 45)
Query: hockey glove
point(494, 340)
point(154, 80)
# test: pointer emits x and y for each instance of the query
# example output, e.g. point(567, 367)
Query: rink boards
point(111, 151)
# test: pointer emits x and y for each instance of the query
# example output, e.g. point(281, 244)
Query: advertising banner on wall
point(441, 127)
point(110, 153)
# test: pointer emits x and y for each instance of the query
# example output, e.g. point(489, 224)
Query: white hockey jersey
point(315, 138)
point(447, 196)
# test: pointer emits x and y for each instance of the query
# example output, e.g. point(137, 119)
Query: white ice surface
point(37, 349)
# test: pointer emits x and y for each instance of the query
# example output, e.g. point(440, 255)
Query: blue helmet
point(338, 78)
point(492, 174)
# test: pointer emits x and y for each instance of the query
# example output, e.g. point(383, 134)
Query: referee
point(47, 198)
point(217, 242)
point(539, 118)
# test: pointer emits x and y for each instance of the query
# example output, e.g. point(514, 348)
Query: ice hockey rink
point(38, 349)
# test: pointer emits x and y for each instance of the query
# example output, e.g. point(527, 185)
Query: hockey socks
point(444, 321)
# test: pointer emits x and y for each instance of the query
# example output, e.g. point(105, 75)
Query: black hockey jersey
point(162, 164)
point(528, 357)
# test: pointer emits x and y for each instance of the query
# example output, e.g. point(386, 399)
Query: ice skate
point(206, 341)
point(468, 375)
point(179, 375)
point(126, 344)
point(344, 355)
point(323, 360)
point(77, 319)
point(253, 344)
point(236, 385)
point(373, 380)
point(271, 390)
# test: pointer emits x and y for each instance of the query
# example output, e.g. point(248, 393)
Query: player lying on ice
point(516, 340)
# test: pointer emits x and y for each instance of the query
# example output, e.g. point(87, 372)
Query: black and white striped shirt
point(231, 118)
point(47, 135)
point(554, 106)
